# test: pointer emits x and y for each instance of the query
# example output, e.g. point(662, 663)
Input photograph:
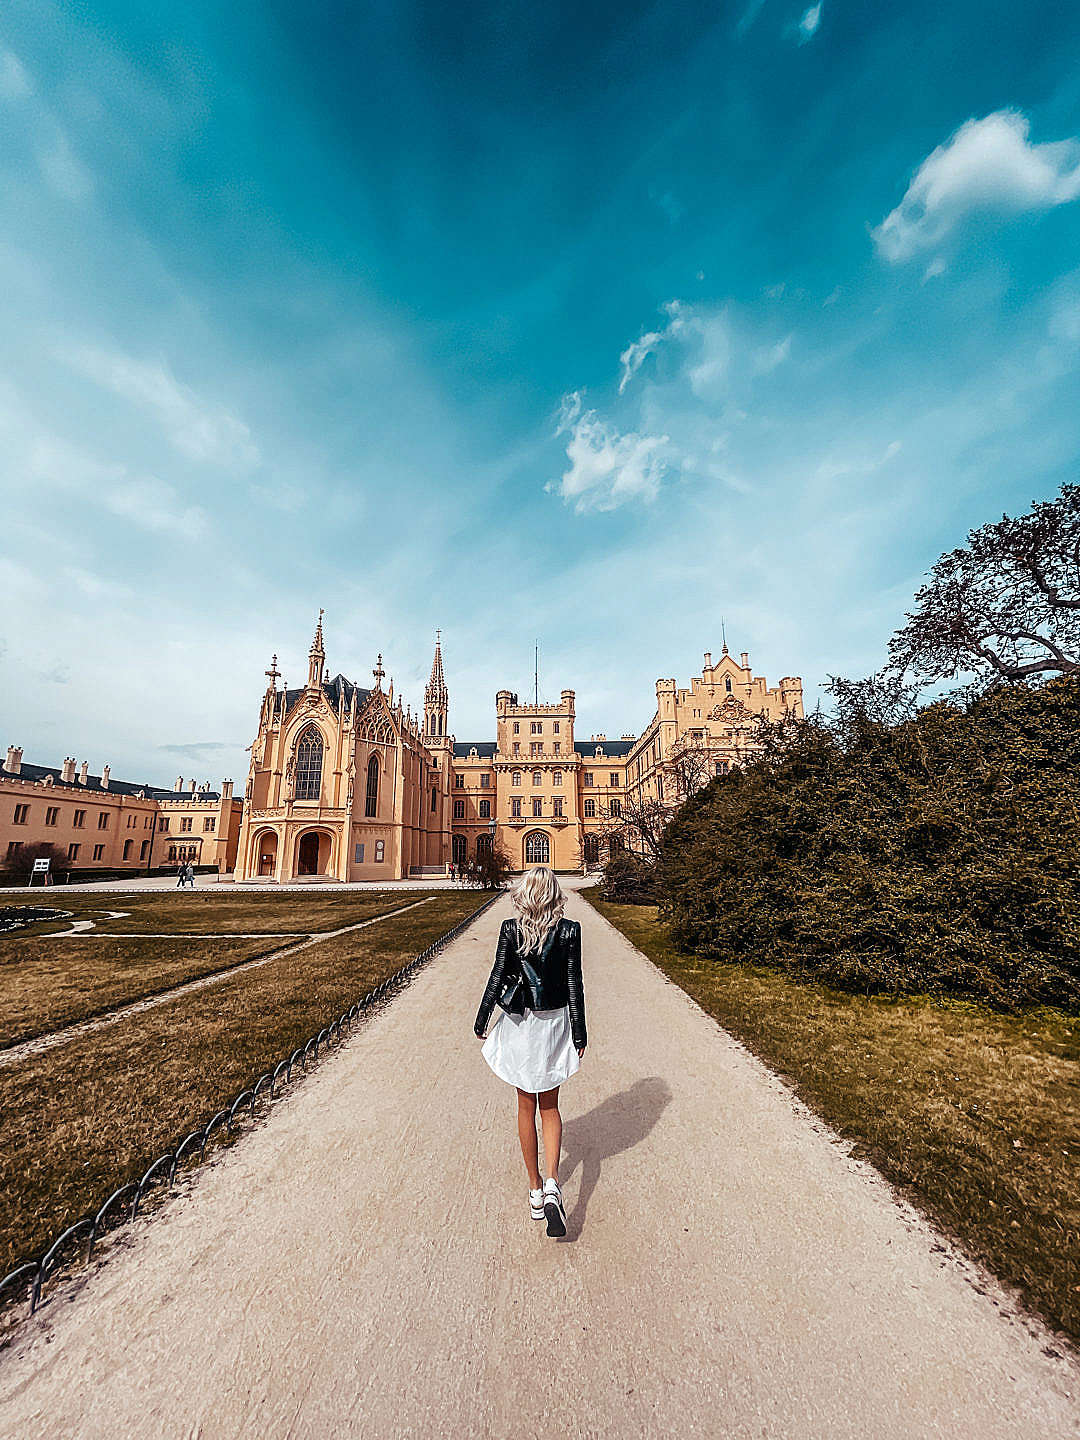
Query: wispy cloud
point(987, 165)
point(15, 83)
point(198, 428)
point(155, 505)
point(607, 468)
point(810, 23)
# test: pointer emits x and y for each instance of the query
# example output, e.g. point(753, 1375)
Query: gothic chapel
point(343, 782)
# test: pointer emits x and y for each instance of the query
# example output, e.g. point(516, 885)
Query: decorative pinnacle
point(273, 673)
point(379, 673)
point(436, 695)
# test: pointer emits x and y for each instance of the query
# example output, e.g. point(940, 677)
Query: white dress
point(534, 1051)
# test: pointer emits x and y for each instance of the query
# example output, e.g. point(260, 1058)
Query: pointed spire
point(436, 696)
point(379, 673)
point(316, 656)
point(273, 674)
point(723, 634)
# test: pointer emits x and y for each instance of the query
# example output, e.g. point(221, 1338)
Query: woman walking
point(539, 1037)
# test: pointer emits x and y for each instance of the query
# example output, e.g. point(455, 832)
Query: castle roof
point(485, 748)
point(33, 773)
point(337, 691)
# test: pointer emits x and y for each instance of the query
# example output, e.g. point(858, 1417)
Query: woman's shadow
point(618, 1123)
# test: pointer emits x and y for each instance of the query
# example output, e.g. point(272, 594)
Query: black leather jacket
point(540, 981)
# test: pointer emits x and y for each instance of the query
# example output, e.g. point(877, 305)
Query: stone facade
point(345, 783)
point(100, 824)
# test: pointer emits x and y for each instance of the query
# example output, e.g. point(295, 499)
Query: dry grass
point(974, 1114)
point(49, 983)
point(93, 1113)
point(218, 911)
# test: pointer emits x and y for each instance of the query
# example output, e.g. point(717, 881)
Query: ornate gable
point(375, 722)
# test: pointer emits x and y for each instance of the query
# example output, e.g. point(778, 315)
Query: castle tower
point(316, 658)
point(436, 696)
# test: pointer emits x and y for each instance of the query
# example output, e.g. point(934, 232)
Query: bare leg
point(527, 1135)
point(551, 1123)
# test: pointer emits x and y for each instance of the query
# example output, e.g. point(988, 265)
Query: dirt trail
point(363, 1264)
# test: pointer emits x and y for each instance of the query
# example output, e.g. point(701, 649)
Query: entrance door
point(460, 847)
point(537, 849)
point(307, 859)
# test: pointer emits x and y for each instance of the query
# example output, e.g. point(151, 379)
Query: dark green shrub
point(941, 854)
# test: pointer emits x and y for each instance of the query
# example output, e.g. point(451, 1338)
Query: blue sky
point(594, 323)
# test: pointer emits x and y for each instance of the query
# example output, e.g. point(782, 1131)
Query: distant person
point(181, 876)
point(190, 874)
point(539, 1037)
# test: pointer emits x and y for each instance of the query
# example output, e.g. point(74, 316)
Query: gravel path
point(363, 1263)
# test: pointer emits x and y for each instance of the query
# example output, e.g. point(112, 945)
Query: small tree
point(1005, 606)
point(489, 869)
point(19, 866)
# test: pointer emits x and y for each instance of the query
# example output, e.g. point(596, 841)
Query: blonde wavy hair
point(539, 903)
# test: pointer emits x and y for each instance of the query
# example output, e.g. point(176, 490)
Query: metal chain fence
point(123, 1204)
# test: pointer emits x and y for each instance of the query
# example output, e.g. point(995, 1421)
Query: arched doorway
point(537, 848)
point(313, 853)
point(592, 849)
point(460, 849)
point(265, 854)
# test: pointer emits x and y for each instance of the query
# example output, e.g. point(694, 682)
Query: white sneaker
point(554, 1209)
point(536, 1204)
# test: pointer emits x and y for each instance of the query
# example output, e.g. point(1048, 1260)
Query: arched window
point(537, 848)
point(727, 683)
point(483, 844)
point(371, 797)
point(309, 758)
point(556, 779)
point(538, 777)
point(515, 779)
point(592, 849)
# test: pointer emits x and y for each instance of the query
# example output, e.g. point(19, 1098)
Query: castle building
point(96, 824)
point(345, 783)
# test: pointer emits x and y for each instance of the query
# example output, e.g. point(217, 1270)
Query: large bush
point(941, 854)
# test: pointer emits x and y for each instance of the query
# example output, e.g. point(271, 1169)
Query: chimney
point(191, 786)
point(226, 789)
point(105, 777)
point(708, 659)
point(68, 771)
point(82, 772)
point(13, 763)
point(178, 783)
point(745, 659)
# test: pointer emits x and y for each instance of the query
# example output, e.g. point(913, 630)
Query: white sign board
point(41, 867)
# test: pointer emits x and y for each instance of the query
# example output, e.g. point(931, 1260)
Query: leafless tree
point(1005, 606)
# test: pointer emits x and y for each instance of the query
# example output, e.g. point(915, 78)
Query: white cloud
point(606, 468)
point(199, 429)
point(14, 81)
point(987, 165)
point(155, 505)
point(62, 168)
point(770, 356)
point(808, 26)
point(635, 354)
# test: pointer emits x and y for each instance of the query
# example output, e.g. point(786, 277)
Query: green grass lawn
point(47, 983)
point(94, 1112)
point(975, 1115)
